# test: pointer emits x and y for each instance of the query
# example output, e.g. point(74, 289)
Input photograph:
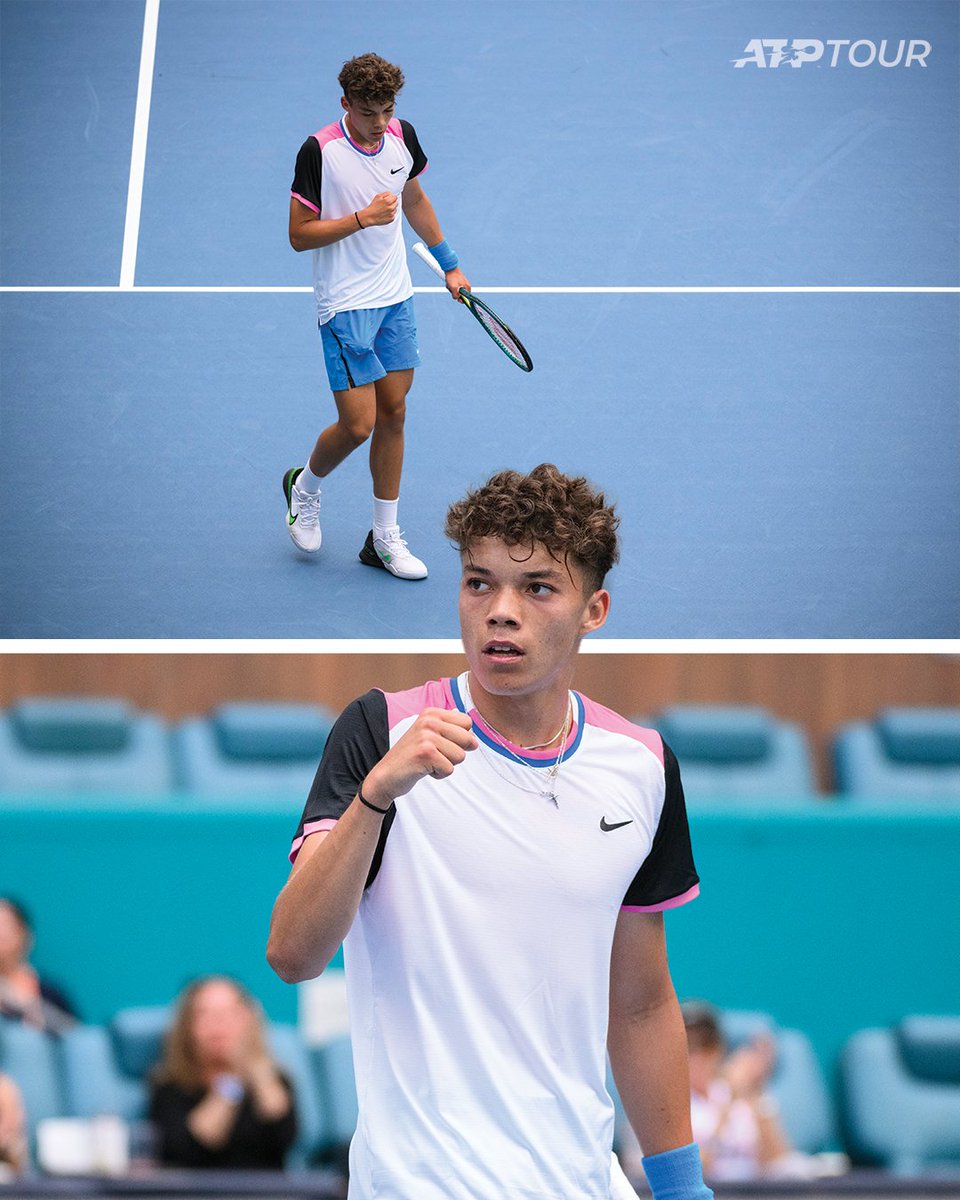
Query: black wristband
point(359, 222)
point(363, 800)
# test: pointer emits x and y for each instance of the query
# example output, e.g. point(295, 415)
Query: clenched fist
point(381, 210)
point(437, 742)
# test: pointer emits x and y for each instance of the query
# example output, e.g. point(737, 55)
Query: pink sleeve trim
point(606, 718)
point(664, 904)
point(304, 201)
point(401, 705)
point(395, 128)
point(310, 827)
point(329, 133)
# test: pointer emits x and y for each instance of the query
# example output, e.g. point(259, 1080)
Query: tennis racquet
point(495, 326)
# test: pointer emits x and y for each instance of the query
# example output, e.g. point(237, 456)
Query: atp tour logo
point(795, 52)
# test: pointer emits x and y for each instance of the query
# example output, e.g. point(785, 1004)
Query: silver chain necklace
point(541, 774)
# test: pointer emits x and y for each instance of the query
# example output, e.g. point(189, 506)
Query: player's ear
point(595, 611)
point(344, 103)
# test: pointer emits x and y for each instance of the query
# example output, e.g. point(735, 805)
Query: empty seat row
point(742, 752)
point(66, 745)
point(745, 753)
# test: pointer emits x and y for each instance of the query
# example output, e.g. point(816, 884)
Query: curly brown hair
point(565, 514)
point(370, 77)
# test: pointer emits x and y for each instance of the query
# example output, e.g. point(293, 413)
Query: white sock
point(306, 481)
point(384, 514)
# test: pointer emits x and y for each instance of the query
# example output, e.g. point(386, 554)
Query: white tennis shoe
point(390, 552)
point(303, 513)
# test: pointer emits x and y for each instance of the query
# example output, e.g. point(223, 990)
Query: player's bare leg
point(385, 546)
point(356, 414)
point(386, 444)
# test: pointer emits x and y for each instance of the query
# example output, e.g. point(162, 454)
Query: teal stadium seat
point(93, 1080)
point(64, 745)
point(737, 752)
point(29, 1057)
point(136, 1035)
point(336, 1083)
point(902, 754)
point(901, 1094)
point(252, 749)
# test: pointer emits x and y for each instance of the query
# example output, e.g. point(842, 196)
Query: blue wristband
point(447, 258)
point(677, 1174)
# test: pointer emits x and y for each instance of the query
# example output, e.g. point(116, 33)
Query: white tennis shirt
point(336, 177)
point(478, 964)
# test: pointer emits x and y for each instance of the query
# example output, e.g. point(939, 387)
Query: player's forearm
point(423, 220)
point(648, 1055)
point(311, 235)
point(316, 908)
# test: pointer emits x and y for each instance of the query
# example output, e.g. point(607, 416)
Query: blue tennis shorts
point(362, 345)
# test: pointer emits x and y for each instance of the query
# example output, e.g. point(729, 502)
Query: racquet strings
point(500, 334)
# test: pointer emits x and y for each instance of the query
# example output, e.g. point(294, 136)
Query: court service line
point(560, 291)
point(138, 153)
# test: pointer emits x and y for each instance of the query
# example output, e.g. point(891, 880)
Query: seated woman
point(217, 1098)
point(13, 1130)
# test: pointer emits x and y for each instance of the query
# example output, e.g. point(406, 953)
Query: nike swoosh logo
point(617, 825)
point(291, 518)
point(395, 170)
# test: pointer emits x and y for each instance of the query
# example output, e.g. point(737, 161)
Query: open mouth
point(502, 652)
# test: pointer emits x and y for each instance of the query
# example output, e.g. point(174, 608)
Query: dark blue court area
point(785, 464)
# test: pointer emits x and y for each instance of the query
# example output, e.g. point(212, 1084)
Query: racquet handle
point(422, 252)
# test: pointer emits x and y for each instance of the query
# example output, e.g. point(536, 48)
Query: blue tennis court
point(785, 463)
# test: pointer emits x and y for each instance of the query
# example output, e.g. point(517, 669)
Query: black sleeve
point(412, 143)
point(308, 173)
point(357, 742)
point(667, 872)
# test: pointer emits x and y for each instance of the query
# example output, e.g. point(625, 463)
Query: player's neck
point(534, 719)
point(354, 136)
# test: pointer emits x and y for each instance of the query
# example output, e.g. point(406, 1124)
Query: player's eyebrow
point(543, 573)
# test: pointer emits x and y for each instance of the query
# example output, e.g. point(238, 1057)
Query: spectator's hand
point(12, 1123)
point(748, 1069)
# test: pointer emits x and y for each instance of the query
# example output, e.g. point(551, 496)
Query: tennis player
point(496, 852)
point(352, 180)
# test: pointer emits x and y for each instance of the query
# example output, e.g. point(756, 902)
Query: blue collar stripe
point(531, 762)
point(360, 149)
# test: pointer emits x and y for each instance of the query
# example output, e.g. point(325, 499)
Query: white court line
point(561, 291)
point(138, 154)
point(597, 645)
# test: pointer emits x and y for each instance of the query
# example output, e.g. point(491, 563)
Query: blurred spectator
point(13, 1137)
point(735, 1120)
point(217, 1098)
point(24, 995)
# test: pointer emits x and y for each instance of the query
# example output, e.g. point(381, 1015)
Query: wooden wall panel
point(820, 691)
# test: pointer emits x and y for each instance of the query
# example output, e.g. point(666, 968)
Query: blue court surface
point(785, 463)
